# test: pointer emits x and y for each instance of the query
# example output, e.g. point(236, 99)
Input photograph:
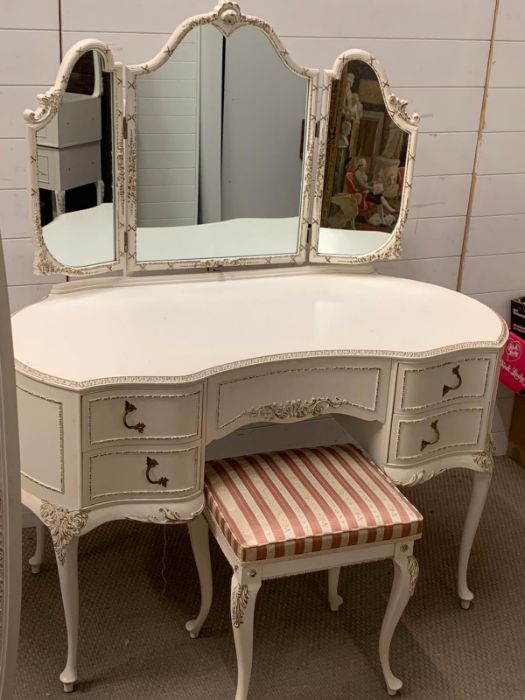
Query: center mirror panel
point(222, 137)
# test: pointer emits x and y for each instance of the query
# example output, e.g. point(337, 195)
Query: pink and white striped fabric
point(295, 502)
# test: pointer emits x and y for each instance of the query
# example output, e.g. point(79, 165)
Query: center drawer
point(141, 474)
point(111, 417)
point(289, 391)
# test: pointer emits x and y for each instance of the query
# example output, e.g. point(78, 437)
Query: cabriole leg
point(334, 599)
point(405, 577)
point(68, 575)
point(36, 560)
point(243, 597)
point(200, 545)
point(480, 489)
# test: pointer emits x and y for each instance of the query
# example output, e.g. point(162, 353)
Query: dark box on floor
point(517, 316)
point(516, 448)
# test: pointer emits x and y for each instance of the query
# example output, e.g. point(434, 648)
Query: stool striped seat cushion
point(295, 502)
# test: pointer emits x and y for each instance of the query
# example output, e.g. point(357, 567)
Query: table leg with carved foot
point(35, 562)
point(67, 562)
point(200, 545)
point(480, 489)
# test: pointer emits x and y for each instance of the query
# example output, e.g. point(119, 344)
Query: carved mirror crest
point(76, 166)
point(365, 164)
point(220, 140)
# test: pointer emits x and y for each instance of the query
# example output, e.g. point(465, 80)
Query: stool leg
point(36, 560)
point(200, 545)
point(405, 578)
point(334, 599)
point(480, 489)
point(243, 597)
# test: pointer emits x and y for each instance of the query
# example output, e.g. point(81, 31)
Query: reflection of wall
point(167, 127)
point(264, 105)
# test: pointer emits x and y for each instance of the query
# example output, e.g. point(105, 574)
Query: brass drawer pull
point(426, 443)
point(447, 388)
point(129, 408)
point(150, 464)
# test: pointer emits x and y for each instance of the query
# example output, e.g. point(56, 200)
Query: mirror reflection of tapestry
point(365, 158)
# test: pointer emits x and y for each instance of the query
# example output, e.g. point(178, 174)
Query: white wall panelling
point(28, 57)
point(469, 19)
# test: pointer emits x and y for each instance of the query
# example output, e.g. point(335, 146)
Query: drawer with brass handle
point(420, 387)
point(112, 417)
point(454, 430)
point(123, 475)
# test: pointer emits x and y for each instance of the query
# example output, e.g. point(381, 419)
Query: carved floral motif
point(167, 517)
point(296, 408)
point(399, 107)
point(63, 525)
point(239, 603)
point(413, 572)
point(485, 459)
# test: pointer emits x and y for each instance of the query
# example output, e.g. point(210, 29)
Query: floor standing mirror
point(10, 526)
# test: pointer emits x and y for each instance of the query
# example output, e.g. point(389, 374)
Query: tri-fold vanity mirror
point(217, 152)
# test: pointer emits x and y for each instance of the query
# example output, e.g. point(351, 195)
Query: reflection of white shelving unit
point(69, 146)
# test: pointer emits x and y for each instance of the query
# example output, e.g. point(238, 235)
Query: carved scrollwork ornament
point(239, 603)
point(399, 107)
point(228, 13)
point(49, 103)
point(167, 517)
point(63, 524)
point(413, 572)
point(296, 408)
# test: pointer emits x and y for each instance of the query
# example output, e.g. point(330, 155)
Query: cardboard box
point(516, 449)
point(512, 372)
point(517, 316)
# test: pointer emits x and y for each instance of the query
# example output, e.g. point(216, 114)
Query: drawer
point(298, 390)
point(139, 416)
point(141, 474)
point(453, 430)
point(43, 169)
point(460, 379)
point(70, 167)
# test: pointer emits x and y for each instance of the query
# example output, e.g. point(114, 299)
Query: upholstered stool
point(290, 512)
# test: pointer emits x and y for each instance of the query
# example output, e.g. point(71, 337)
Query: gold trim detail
point(239, 603)
point(485, 459)
point(413, 572)
point(28, 371)
point(63, 525)
point(296, 408)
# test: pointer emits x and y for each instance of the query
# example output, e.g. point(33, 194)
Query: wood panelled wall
point(436, 56)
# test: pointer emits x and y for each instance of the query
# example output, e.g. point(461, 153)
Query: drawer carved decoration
point(296, 408)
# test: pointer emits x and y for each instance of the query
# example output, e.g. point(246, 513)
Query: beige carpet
point(133, 644)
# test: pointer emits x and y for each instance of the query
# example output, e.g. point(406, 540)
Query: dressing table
point(237, 296)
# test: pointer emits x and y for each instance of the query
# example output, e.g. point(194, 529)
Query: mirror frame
point(44, 262)
point(408, 123)
point(227, 17)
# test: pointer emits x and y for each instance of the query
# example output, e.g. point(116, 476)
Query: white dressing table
point(123, 381)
